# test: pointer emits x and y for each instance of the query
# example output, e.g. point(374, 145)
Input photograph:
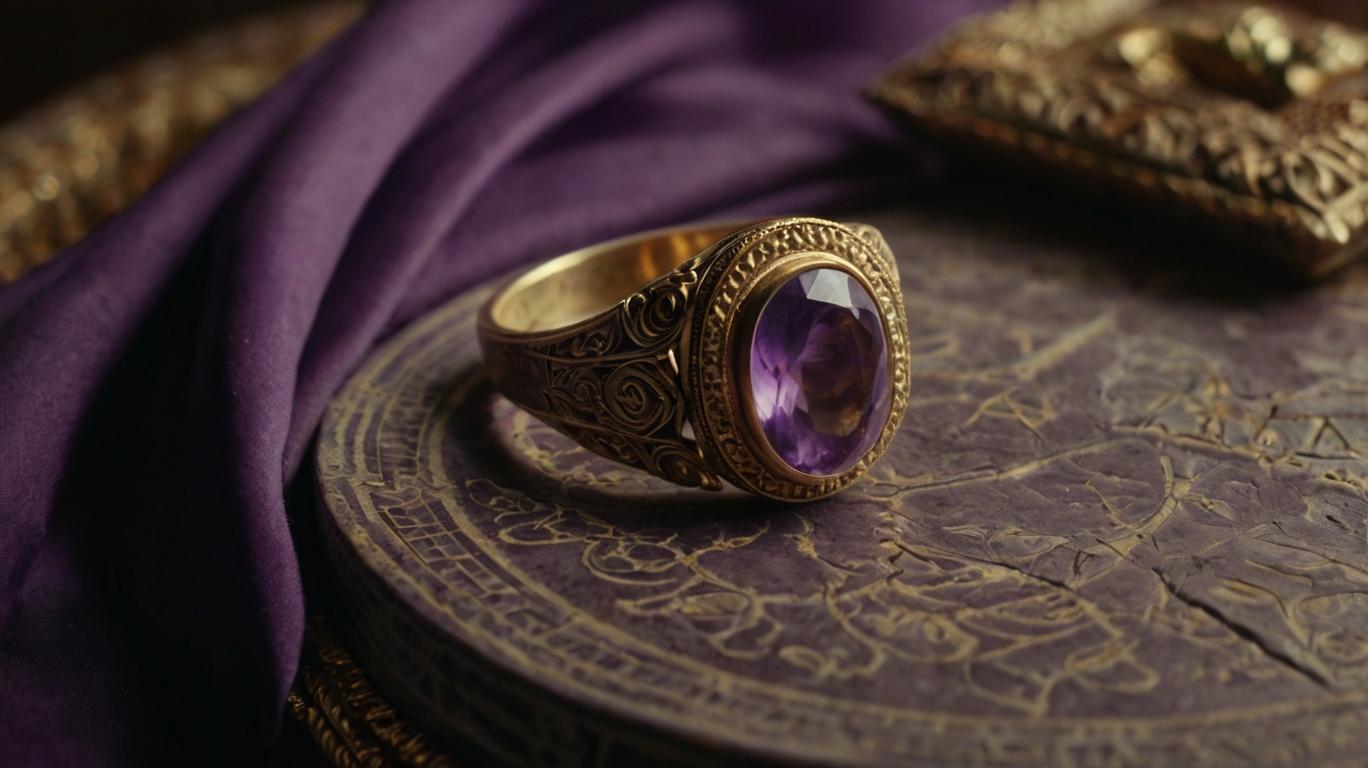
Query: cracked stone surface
point(1125, 523)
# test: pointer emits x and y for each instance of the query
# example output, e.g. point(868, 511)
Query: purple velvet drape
point(160, 382)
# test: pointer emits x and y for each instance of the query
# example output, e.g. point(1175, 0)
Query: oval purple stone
point(819, 372)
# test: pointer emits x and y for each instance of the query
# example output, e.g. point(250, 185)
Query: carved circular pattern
point(653, 314)
point(639, 396)
point(712, 382)
point(1092, 599)
point(610, 382)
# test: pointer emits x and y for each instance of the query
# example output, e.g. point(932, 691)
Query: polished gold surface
point(572, 288)
point(634, 347)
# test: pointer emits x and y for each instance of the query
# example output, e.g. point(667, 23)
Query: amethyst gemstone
point(819, 372)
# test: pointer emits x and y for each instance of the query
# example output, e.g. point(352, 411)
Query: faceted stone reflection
point(819, 372)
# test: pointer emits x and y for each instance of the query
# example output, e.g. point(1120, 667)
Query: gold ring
point(771, 354)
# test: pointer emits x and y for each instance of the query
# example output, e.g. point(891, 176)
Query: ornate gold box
point(1251, 121)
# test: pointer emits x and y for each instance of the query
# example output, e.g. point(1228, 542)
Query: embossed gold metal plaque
point(1251, 120)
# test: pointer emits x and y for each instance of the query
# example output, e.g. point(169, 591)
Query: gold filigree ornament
point(641, 349)
point(1249, 122)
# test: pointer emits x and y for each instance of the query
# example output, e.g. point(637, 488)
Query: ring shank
point(579, 285)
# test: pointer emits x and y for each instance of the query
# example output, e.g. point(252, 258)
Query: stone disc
point(1123, 524)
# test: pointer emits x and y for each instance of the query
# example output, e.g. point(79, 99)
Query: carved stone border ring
point(771, 354)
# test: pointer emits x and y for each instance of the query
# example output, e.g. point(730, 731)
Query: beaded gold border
point(729, 298)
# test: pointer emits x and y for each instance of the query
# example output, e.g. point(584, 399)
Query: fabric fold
point(160, 382)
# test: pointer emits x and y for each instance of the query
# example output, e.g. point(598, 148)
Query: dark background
point(48, 45)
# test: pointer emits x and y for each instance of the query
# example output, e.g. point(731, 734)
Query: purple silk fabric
point(161, 381)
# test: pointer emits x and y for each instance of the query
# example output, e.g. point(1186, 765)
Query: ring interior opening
point(580, 285)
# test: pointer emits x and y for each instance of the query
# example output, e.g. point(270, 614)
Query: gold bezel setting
point(730, 297)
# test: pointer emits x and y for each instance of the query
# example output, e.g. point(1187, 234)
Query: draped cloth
point(160, 382)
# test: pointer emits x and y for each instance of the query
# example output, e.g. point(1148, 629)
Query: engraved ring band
point(772, 355)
